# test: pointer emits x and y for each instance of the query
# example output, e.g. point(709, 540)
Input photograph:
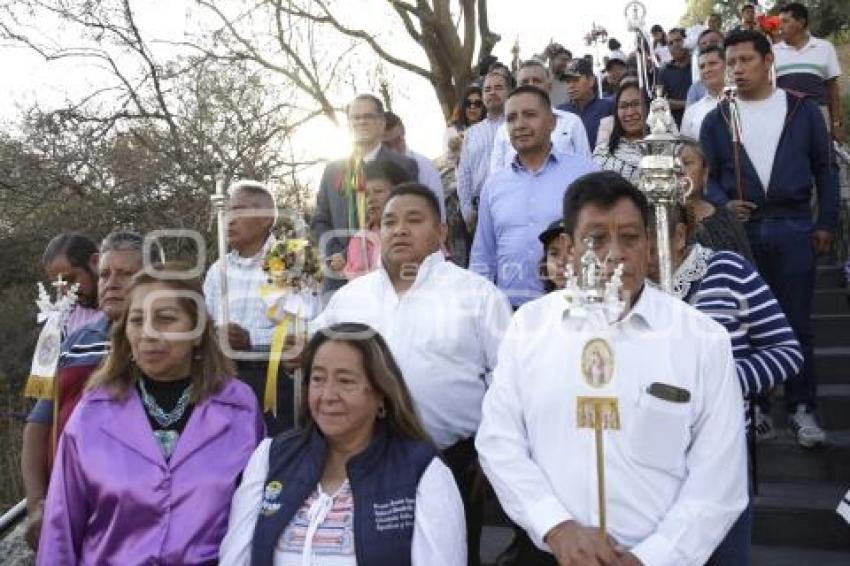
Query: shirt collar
point(552, 158)
point(426, 268)
point(644, 315)
point(235, 259)
point(372, 155)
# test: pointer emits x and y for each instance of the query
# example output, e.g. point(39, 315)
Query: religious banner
point(46, 356)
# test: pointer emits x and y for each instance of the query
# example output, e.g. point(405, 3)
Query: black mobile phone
point(669, 392)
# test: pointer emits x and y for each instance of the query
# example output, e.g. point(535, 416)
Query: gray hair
point(535, 63)
point(127, 241)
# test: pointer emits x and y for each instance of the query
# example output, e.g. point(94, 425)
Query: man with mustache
point(676, 468)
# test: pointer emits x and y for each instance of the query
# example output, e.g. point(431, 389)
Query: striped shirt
point(245, 276)
point(808, 68)
point(724, 286)
point(474, 164)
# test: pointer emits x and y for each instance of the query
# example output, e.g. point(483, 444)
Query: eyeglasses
point(634, 105)
point(473, 103)
point(362, 118)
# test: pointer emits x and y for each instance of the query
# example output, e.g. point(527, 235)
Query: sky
point(533, 26)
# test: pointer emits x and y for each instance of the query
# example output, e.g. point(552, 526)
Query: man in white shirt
point(474, 163)
point(442, 323)
point(712, 67)
point(675, 470)
point(251, 215)
point(569, 135)
point(395, 140)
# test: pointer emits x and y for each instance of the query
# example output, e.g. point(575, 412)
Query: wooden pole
point(600, 470)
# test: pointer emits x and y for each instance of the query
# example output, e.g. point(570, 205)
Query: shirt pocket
point(660, 434)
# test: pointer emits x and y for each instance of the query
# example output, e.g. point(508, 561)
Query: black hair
point(613, 44)
point(392, 120)
point(462, 122)
point(656, 42)
point(76, 248)
point(603, 189)
point(680, 31)
point(617, 131)
point(421, 191)
point(509, 76)
point(379, 105)
point(615, 61)
point(385, 170)
point(758, 39)
point(797, 11)
point(531, 89)
point(713, 49)
point(707, 31)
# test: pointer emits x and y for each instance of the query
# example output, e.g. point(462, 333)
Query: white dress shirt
point(439, 528)
point(569, 136)
point(675, 473)
point(430, 177)
point(444, 334)
point(474, 162)
point(695, 114)
point(246, 308)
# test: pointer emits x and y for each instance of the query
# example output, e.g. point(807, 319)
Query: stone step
point(494, 540)
point(783, 460)
point(800, 515)
point(833, 411)
point(831, 301)
point(833, 365)
point(829, 276)
point(831, 330)
point(790, 556)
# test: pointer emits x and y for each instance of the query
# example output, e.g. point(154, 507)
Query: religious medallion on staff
point(597, 363)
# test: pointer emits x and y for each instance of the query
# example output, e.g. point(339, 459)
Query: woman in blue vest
point(360, 484)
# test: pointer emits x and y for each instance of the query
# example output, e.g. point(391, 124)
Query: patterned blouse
point(625, 160)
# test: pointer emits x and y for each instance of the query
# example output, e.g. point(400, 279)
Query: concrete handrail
point(10, 519)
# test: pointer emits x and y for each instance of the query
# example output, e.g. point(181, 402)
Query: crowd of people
point(445, 358)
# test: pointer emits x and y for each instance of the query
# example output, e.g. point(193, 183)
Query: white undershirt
point(761, 125)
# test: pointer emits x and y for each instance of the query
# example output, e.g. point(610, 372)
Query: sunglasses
point(473, 103)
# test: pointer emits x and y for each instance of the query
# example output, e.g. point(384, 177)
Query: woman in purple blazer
point(148, 463)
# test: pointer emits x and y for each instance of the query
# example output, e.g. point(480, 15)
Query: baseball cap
point(580, 67)
point(554, 229)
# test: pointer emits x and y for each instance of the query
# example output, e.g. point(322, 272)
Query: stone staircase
point(799, 489)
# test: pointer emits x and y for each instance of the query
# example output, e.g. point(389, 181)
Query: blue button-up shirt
point(591, 115)
point(516, 206)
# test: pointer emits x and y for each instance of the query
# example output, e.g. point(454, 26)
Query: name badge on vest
point(271, 498)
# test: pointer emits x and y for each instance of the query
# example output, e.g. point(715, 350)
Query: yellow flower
point(276, 265)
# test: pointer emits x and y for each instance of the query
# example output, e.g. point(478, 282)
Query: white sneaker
point(763, 426)
point(808, 432)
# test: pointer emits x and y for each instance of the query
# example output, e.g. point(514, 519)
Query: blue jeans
point(785, 257)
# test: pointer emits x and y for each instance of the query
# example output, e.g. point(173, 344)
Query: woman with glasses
point(360, 484)
point(149, 460)
point(470, 111)
point(620, 153)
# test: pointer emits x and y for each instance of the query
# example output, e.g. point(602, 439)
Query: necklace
point(165, 419)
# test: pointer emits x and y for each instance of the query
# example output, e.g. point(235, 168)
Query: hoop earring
point(382, 412)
